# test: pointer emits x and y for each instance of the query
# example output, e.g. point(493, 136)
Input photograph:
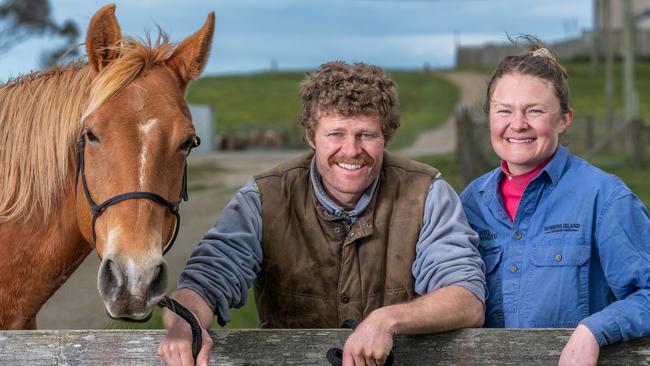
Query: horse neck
point(37, 260)
point(39, 257)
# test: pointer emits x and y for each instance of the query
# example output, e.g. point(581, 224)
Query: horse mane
point(41, 117)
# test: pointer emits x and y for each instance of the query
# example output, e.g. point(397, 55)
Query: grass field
point(270, 99)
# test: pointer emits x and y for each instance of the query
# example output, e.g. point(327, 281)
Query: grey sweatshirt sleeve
point(227, 260)
point(446, 251)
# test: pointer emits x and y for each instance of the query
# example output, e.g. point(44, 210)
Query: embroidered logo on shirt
point(558, 228)
point(486, 237)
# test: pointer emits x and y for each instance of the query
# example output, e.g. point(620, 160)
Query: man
point(348, 231)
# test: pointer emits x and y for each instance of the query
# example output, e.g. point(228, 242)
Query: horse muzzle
point(129, 290)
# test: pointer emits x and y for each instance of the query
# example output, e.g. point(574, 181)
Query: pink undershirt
point(512, 187)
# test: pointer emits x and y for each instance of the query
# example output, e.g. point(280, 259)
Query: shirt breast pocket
point(557, 290)
point(494, 301)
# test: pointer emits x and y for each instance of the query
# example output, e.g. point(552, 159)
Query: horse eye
point(190, 143)
point(91, 136)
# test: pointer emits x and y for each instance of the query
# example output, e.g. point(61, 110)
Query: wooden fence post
point(470, 135)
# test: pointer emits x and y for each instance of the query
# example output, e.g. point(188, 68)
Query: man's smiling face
point(349, 152)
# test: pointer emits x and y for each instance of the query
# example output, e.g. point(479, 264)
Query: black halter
point(97, 210)
point(173, 305)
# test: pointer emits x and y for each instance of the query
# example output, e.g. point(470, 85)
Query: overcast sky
point(301, 34)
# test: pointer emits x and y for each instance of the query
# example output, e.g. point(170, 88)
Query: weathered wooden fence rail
point(304, 347)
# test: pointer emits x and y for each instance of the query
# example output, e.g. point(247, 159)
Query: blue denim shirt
point(578, 251)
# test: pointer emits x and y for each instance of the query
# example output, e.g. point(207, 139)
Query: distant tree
point(23, 19)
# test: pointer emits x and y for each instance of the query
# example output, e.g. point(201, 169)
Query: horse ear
point(102, 36)
point(191, 55)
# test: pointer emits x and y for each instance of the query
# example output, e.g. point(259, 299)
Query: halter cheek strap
point(97, 210)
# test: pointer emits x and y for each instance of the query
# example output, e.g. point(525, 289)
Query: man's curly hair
point(348, 90)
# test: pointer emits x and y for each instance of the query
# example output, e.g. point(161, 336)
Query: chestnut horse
point(127, 109)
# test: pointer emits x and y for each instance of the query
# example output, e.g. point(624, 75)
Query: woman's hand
point(581, 349)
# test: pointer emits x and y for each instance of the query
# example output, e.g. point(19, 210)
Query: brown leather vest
point(317, 270)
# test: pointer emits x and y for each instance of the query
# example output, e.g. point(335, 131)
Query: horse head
point(136, 136)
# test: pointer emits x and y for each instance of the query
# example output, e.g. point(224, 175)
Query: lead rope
point(175, 306)
point(183, 312)
point(335, 355)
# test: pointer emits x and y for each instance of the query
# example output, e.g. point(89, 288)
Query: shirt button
point(337, 230)
point(514, 268)
point(518, 235)
point(345, 299)
point(558, 258)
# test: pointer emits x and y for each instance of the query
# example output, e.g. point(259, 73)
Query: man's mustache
point(361, 159)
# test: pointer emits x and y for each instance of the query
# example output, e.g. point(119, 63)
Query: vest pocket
point(557, 289)
point(494, 300)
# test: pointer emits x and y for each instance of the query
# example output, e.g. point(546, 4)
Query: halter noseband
point(97, 210)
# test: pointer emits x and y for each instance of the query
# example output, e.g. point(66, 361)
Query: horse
point(93, 156)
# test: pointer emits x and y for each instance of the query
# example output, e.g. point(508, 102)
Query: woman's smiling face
point(525, 121)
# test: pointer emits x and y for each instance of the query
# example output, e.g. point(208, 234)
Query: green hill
point(270, 99)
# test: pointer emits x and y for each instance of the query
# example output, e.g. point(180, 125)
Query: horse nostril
point(111, 278)
point(158, 284)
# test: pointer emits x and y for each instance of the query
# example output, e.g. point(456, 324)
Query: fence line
point(304, 347)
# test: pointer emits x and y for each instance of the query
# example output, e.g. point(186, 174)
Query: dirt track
point(77, 305)
point(442, 140)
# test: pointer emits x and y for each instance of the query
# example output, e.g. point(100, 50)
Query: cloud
point(406, 51)
point(304, 33)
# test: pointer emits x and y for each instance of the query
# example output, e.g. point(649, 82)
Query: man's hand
point(370, 343)
point(581, 349)
point(176, 348)
point(444, 309)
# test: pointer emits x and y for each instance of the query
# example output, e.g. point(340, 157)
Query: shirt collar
point(556, 167)
point(331, 206)
point(519, 182)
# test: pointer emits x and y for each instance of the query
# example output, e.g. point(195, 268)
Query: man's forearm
point(445, 309)
point(194, 303)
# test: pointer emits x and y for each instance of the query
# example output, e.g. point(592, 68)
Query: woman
point(564, 244)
